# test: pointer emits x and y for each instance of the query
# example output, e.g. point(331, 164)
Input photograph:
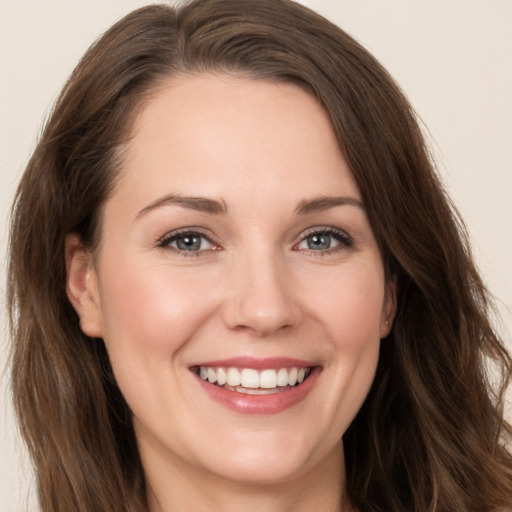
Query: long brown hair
point(431, 433)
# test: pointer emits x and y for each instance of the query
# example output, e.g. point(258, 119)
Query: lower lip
point(272, 403)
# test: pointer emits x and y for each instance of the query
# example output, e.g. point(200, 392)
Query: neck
point(322, 488)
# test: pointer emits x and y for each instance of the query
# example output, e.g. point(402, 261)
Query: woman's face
point(236, 246)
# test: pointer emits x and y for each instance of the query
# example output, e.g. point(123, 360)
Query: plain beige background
point(453, 58)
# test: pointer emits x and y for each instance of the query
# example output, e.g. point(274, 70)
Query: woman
point(236, 282)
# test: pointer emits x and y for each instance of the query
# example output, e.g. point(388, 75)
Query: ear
point(388, 309)
point(82, 286)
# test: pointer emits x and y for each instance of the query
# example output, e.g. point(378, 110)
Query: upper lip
point(257, 363)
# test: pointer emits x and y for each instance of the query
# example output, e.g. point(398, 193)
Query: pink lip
point(257, 363)
point(259, 404)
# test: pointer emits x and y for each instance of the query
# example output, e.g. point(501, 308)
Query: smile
point(254, 382)
point(257, 386)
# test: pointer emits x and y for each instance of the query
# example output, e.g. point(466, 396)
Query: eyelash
point(167, 239)
point(345, 241)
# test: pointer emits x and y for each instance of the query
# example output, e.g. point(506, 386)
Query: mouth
point(251, 381)
point(257, 386)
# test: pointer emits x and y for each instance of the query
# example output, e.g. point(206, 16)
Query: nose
point(261, 297)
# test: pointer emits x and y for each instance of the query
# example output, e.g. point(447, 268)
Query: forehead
point(212, 134)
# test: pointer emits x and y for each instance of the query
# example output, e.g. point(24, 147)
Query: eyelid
point(165, 240)
point(346, 241)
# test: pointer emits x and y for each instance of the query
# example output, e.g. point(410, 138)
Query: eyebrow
point(201, 204)
point(319, 204)
point(218, 207)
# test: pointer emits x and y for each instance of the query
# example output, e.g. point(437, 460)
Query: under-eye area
point(254, 382)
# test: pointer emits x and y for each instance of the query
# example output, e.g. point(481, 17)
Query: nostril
point(262, 319)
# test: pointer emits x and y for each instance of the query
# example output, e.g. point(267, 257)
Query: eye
point(325, 240)
point(187, 242)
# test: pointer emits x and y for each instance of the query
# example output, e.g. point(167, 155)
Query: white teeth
point(268, 379)
point(292, 376)
point(259, 391)
point(233, 377)
point(212, 375)
point(222, 378)
point(282, 377)
point(250, 379)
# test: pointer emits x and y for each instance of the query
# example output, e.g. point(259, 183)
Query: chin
point(267, 458)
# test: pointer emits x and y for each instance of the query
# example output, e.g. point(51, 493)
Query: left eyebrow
point(201, 204)
point(319, 204)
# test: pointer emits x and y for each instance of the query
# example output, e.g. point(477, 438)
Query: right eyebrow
point(202, 204)
point(322, 203)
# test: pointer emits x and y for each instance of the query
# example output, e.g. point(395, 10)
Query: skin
point(256, 287)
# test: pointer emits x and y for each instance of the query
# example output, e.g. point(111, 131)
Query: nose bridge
point(261, 296)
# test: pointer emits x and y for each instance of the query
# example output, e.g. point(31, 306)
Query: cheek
point(149, 315)
point(356, 335)
point(352, 315)
point(352, 305)
point(151, 309)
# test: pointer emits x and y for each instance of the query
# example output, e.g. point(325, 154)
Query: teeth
point(233, 377)
point(292, 376)
point(251, 381)
point(259, 391)
point(268, 379)
point(212, 375)
point(249, 378)
point(222, 377)
point(282, 377)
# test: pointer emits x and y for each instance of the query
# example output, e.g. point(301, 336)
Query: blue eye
point(320, 242)
point(326, 240)
point(187, 242)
